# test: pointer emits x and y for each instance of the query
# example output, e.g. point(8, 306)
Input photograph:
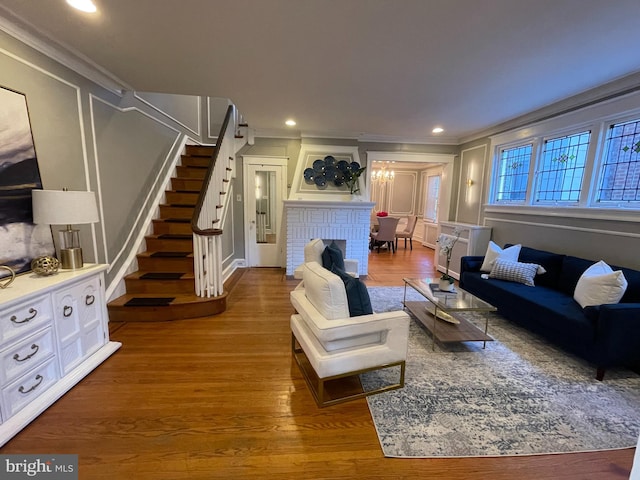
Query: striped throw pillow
point(514, 271)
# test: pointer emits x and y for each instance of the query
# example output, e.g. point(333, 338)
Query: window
point(513, 173)
point(562, 168)
point(432, 197)
point(586, 160)
point(620, 180)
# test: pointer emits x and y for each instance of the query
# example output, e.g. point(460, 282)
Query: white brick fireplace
point(328, 220)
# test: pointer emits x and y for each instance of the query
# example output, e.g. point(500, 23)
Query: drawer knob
point(39, 379)
point(67, 311)
point(35, 349)
point(33, 313)
point(89, 299)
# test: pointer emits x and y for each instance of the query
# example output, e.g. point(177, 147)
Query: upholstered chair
point(313, 251)
point(328, 343)
point(386, 233)
point(407, 233)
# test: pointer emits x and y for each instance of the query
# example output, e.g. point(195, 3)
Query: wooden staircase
point(165, 269)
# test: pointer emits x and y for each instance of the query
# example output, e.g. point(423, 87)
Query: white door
point(265, 186)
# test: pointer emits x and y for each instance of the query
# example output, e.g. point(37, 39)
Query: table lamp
point(64, 207)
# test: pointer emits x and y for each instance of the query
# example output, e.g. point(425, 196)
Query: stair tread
point(145, 275)
point(173, 220)
point(178, 298)
point(166, 254)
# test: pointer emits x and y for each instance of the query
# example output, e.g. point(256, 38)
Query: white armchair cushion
point(313, 251)
point(325, 291)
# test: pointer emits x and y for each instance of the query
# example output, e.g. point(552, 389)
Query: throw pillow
point(332, 255)
point(599, 284)
point(494, 252)
point(514, 271)
point(357, 294)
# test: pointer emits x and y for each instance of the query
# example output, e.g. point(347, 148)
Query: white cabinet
point(430, 234)
point(473, 240)
point(53, 332)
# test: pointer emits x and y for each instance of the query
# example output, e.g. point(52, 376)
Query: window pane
point(562, 168)
point(621, 168)
point(513, 174)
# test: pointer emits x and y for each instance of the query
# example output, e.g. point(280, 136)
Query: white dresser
point(53, 332)
point(474, 240)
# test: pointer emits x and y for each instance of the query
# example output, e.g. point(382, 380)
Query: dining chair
point(386, 233)
point(407, 233)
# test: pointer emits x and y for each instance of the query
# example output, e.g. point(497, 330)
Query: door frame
point(272, 161)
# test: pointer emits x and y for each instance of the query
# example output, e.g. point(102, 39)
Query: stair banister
point(206, 221)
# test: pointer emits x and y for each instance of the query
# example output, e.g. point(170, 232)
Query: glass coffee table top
point(440, 313)
point(460, 300)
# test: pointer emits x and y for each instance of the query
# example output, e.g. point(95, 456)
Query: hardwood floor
point(220, 397)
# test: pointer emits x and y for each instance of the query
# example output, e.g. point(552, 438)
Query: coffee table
point(440, 314)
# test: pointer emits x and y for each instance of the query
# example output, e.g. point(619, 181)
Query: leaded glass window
point(559, 178)
point(620, 181)
point(513, 173)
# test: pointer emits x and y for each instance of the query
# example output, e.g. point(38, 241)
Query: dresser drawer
point(30, 386)
point(24, 318)
point(25, 355)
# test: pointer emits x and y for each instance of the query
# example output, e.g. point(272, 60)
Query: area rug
point(519, 396)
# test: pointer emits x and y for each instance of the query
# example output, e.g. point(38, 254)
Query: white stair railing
point(206, 223)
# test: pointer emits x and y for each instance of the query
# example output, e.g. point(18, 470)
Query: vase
point(445, 285)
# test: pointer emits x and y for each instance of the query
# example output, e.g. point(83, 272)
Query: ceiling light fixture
point(291, 123)
point(438, 130)
point(83, 5)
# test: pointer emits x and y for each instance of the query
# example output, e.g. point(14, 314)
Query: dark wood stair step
point(186, 184)
point(199, 150)
point(191, 172)
point(165, 262)
point(165, 283)
point(183, 306)
point(176, 211)
point(169, 243)
point(181, 198)
point(195, 161)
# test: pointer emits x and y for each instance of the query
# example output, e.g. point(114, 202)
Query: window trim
point(596, 118)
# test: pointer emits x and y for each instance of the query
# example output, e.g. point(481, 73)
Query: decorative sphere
point(45, 265)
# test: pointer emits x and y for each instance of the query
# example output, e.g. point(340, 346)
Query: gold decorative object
point(6, 282)
point(45, 265)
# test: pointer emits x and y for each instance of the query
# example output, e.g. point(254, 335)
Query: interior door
point(265, 189)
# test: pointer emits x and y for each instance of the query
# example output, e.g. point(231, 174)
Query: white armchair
point(337, 345)
point(313, 253)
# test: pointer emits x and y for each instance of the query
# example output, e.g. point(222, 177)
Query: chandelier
point(383, 174)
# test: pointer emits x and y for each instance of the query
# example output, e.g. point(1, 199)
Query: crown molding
point(26, 33)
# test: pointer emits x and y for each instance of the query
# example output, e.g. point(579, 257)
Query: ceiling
point(387, 70)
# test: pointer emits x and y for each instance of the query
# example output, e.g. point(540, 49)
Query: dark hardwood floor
point(220, 397)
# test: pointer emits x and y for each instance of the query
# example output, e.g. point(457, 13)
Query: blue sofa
point(605, 335)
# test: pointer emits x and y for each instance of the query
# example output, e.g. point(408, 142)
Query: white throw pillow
point(599, 285)
point(494, 252)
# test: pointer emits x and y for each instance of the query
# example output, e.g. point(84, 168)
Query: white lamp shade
point(62, 207)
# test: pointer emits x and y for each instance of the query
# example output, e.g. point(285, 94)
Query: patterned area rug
point(519, 396)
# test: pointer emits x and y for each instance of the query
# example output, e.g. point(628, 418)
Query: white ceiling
point(369, 69)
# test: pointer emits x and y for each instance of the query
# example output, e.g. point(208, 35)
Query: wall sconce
point(63, 207)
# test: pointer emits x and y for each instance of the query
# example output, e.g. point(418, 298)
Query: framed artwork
point(20, 240)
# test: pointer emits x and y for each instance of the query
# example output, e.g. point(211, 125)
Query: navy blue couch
point(605, 335)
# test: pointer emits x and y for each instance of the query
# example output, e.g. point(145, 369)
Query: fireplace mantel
point(328, 220)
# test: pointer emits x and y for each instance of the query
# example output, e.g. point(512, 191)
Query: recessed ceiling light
point(291, 123)
point(83, 5)
point(438, 130)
